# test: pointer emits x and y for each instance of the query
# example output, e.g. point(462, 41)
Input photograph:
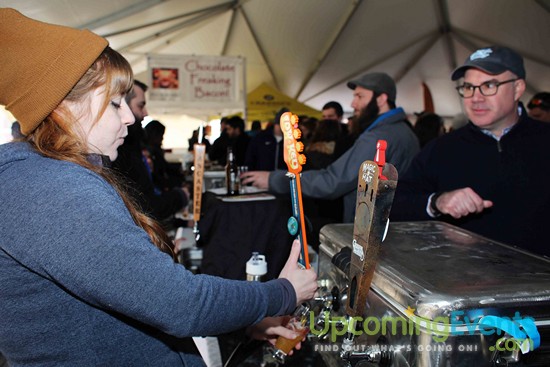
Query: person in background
point(333, 111)
point(86, 278)
point(489, 176)
point(427, 127)
point(307, 126)
point(320, 154)
point(238, 139)
point(346, 140)
point(320, 149)
point(194, 139)
point(539, 107)
point(218, 150)
point(265, 150)
point(255, 128)
point(133, 163)
point(166, 175)
point(378, 118)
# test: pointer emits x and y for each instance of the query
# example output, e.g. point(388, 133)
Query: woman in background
point(320, 152)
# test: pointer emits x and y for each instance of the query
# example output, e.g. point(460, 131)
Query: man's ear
point(382, 101)
point(519, 89)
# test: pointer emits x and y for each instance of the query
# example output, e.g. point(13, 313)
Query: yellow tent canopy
point(264, 102)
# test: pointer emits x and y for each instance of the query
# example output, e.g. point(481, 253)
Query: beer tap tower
point(192, 257)
point(199, 150)
point(377, 182)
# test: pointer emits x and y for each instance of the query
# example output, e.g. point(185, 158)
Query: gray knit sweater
point(82, 285)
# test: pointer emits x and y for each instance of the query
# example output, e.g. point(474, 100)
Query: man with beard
point(136, 170)
point(377, 118)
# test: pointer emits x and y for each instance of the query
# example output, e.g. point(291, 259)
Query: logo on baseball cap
point(492, 60)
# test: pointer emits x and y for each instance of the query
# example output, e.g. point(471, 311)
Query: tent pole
point(442, 10)
point(374, 63)
point(344, 20)
point(260, 47)
point(245, 113)
point(210, 12)
point(487, 41)
point(126, 12)
point(401, 73)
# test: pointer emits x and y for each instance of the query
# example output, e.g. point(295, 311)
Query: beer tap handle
point(199, 151)
point(294, 160)
point(374, 198)
point(380, 157)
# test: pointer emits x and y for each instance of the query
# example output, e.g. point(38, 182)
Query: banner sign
point(180, 82)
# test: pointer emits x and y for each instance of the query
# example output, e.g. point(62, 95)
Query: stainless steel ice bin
point(443, 280)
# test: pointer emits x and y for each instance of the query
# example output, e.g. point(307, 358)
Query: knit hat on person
point(376, 82)
point(41, 63)
point(492, 60)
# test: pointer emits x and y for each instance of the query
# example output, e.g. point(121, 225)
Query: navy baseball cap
point(492, 60)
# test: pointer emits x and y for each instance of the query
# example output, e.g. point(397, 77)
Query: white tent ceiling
point(308, 49)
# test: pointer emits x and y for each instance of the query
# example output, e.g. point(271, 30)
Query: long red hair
point(56, 136)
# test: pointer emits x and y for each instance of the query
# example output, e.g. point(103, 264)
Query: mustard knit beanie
point(39, 65)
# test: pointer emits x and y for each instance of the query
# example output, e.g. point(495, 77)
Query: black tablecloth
point(231, 231)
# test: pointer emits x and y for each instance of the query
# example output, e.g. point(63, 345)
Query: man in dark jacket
point(265, 150)
point(491, 175)
point(238, 139)
point(218, 150)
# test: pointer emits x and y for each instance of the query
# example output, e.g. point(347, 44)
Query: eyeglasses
point(489, 88)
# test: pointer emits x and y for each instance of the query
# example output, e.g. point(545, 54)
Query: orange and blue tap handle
point(294, 161)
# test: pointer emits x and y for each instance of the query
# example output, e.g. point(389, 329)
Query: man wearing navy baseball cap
point(486, 176)
point(492, 60)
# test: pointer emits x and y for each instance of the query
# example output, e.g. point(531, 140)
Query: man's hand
point(461, 202)
point(259, 179)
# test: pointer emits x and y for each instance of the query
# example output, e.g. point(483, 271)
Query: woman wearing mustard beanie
point(85, 278)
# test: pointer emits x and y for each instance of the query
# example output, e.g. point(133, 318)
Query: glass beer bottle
point(231, 174)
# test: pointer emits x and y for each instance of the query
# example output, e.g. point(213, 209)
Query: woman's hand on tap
point(304, 281)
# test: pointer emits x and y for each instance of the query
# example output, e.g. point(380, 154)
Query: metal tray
point(436, 271)
point(437, 268)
